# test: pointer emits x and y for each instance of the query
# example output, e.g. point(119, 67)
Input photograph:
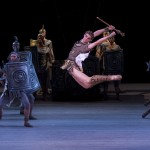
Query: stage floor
point(74, 125)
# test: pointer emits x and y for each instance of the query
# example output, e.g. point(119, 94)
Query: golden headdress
point(42, 30)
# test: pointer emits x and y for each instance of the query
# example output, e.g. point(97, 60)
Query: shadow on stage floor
point(81, 125)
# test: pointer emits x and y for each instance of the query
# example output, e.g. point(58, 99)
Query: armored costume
point(46, 59)
point(78, 48)
point(84, 46)
point(19, 82)
point(102, 52)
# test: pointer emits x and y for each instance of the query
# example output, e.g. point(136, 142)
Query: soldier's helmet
point(15, 47)
point(42, 30)
point(16, 44)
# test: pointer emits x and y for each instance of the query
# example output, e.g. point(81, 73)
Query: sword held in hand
point(118, 31)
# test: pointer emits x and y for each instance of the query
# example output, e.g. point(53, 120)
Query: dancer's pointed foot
point(115, 77)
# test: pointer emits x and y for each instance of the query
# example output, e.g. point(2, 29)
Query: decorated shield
point(25, 56)
point(21, 75)
point(113, 62)
point(33, 51)
point(34, 82)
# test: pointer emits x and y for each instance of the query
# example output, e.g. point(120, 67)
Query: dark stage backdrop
point(66, 21)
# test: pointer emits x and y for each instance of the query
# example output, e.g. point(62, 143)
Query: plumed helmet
point(15, 47)
point(16, 44)
point(42, 30)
